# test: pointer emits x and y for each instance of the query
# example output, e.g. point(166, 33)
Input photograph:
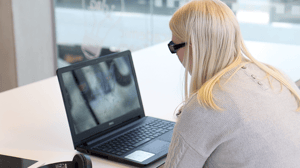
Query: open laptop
point(106, 115)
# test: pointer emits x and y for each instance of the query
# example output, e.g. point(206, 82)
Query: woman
point(238, 112)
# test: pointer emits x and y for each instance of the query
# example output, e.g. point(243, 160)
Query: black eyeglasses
point(174, 47)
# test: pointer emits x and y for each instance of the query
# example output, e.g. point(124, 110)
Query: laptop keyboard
point(136, 137)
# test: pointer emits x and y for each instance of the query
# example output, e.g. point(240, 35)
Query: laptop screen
point(100, 93)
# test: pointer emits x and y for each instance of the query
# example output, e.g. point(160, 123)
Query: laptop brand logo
point(111, 123)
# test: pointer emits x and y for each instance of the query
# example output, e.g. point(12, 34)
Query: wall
point(8, 77)
point(27, 42)
point(34, 40)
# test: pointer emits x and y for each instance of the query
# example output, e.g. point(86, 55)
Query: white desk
point(33, 122)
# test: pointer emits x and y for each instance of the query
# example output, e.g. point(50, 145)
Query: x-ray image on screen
point(100, 93)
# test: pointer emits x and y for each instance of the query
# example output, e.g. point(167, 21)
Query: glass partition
point(87, 29)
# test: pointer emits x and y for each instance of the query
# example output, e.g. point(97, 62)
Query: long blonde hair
point(213, 32)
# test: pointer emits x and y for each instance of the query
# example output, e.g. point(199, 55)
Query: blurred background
point(37, 37)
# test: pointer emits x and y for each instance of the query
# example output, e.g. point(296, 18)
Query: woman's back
point(259, 126)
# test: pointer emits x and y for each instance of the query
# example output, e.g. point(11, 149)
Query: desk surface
point(33, 122)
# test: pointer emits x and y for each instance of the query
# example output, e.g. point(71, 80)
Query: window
point(87, 29)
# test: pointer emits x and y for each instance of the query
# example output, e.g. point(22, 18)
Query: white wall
point(27, 42)
point(34, 40)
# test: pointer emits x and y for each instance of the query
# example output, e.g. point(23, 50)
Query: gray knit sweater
point(259, 126)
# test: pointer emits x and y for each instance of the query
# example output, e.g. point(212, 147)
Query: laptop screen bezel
point(82, 136)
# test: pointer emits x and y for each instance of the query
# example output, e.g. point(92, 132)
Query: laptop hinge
point(82, 145)
point(91, 138)
point(82, 148)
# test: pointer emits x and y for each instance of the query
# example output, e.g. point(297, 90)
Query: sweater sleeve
point(181, 154)
point(198, 132)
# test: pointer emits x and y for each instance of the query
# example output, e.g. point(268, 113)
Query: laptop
point(105, 112)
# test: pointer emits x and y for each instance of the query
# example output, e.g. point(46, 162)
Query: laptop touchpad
point(156, 146)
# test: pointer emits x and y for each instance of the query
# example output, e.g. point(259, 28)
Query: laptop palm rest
point(156, 146)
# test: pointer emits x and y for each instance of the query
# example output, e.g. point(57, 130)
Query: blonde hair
point(212, 31)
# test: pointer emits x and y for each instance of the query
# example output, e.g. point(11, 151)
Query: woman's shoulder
point(197, 123)
point(194, 114)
